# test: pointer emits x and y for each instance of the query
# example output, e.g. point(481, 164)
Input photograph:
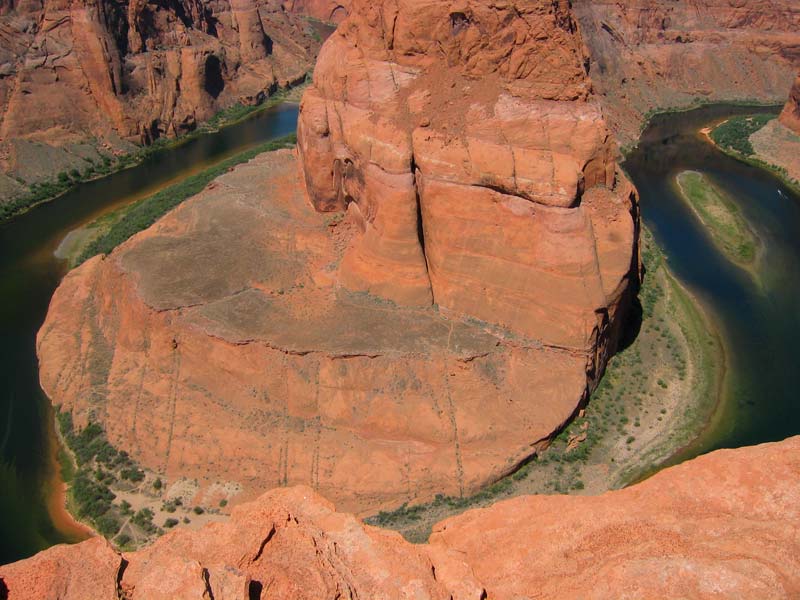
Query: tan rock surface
point(648, 54)
point(722, 526)
point(331, 11)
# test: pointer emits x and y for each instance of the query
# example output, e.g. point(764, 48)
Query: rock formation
point(722, 526)
point(428, 340)
point(790, 116)
point(650, 54)
point(75, 75)
point(331, 11)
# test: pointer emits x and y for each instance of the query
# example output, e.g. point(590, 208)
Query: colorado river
point(760, 323)
point(29, 273)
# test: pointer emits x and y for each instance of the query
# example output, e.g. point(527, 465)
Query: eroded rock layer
point(649, 54)
point(77, 74)
point(425, 342)
point(790, 116)
point(722, 526)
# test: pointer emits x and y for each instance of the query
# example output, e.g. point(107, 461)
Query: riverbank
point(62, 183)
point(657, 396)
point(761, 141)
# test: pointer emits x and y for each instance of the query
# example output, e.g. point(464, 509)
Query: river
point(29, 274)
point(759, 324)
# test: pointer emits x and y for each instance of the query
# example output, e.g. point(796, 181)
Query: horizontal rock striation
point(721, 526)
point(104, 73)
point(648, 54)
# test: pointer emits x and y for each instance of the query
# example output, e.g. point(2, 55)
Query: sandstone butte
point(654, 54)
point(428, 335)
point(790, 116)
point(78, 74)
point(726, 525)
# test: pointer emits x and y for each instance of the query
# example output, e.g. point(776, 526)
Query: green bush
point(170, 523)
point(734, 134)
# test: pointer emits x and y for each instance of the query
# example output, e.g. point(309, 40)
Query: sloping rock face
point(650, 54)
point(790, 116)
point(721, 526)
point(427, 341)
point(460, 137)
point(108, 72)
point(330, 11)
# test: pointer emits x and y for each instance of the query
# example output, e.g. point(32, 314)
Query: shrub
point(198, 510)
point(170, 523)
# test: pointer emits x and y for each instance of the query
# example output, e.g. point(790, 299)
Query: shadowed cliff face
point(791, 112)
point(649, 54)
point(107, 72)
point(721, 526)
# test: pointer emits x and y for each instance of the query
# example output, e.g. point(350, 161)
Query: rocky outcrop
point(330, 11)
point(99, 73)
point(648, 54)
point(427, 341)
point(790, 117)
point(721, 526)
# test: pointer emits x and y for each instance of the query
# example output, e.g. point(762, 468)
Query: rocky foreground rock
point(726, 525)
point(448, 305)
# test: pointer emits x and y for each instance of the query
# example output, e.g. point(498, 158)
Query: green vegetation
point(734, 134)
point(98, 466)
point(141, 215)
point(720, 215)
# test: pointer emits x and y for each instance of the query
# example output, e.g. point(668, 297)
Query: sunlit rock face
point(463, 138)
point(720, 526)
point(791, 112)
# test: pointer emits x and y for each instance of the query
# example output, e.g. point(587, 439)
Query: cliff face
point(721, 526)
point(331, 11)
point(424, 342)
point(654, 54)
point(790, 116)
point(102, 72)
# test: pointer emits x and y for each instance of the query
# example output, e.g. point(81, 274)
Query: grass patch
point(142, 214)
point(720, 215)
point(734, 134)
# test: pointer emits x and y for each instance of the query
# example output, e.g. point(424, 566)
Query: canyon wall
point(652, 54)
point(721, 526)
point(80, 76)
point(790, 116)
point(330, 11)
point(446, 308)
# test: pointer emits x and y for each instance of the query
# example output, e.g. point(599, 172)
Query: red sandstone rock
point(648, 54)
point(332, 11)
point(790, 116)
point(722, 526)
point(428, 343)
point(99, 70)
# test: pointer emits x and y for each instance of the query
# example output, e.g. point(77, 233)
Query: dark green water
point(760, 324)
point(29, 273)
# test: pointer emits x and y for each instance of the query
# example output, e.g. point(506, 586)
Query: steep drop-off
point(721, 526)
point(790, 116)
point(80, 76)
point(653, 54)
point(427, 337)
